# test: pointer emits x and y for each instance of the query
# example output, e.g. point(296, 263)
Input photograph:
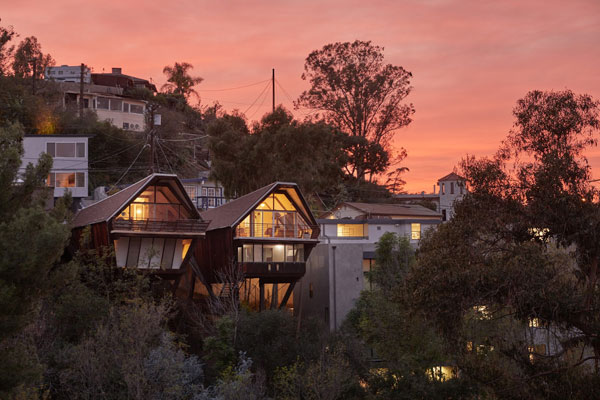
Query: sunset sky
point(470, 60)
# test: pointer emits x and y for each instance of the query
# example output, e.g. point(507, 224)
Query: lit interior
point(275, 216)
point(157, 203)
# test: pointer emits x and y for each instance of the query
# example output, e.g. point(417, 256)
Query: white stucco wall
point(34, 146)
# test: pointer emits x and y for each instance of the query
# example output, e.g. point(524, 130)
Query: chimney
point(116, 70)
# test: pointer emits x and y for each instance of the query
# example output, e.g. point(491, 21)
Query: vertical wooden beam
point(274, 296)
point(261, 286)
point(287, 295)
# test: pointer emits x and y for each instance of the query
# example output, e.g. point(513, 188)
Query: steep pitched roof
point(230, 213)
point(108, 207)
point(408, 210)
point(451, 177)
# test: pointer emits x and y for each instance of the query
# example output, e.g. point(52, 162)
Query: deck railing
point(270, 230)
point(149, 225)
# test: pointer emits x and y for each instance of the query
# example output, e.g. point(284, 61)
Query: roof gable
point(452, 176)
point(233, 212)
point(107, 208)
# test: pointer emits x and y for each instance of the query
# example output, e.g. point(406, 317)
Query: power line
point(232, 88)
point(259, 95)
point(260, 105)
point(131, 165)
point(166, 158)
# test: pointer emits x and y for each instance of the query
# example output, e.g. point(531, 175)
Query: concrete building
point(337, 267)
point(68, 73)
point(70, 162)
point(109, 104)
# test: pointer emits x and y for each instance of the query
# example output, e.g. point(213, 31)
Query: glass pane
point(50, 149)
point(65, 149)
point(136, 109)
point(165, 195)
point(141, 211)
point(248, 253)
point(147, 196)
point(283, 203)
point(350, 230)
point(257, 253)
point(102, 103)
point(125, 107)
point(299, 252)
point(80, 179)
point(80, 149)
point(278, 253)
point(289, 253)
point(65, 180)
point(243, 229)
point(267, 204)
point(167, 258)
point(166, 212)
point(134, 252)
point(268, 253)
point(239, 254)
point(415, 231)
point(116, 105)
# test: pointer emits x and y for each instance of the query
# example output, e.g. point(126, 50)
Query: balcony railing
point(270, 230)
point(258, 270)
point(149, 225)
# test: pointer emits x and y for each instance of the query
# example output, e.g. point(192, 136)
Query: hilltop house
point(337, 270)
point(264, 237)
point(152, 224)
point(70, 162)
point(451, 188)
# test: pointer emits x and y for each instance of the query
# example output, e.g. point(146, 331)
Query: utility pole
point(152, 140)
point(81, 74)
point(34, 72)
point(273, 84)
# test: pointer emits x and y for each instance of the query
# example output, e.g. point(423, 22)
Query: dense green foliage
point(523, 246)
point(361, 96)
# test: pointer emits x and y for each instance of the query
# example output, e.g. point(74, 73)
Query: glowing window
point(415, 231)
point(351, 230)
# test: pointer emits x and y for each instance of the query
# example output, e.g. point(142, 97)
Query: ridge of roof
point(452, 176)
point(393, 209)
point(103, 209)
point(229, 213)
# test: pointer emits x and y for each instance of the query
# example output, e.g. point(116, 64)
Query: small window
point(81, 150)
point(415, 231)
point(451, 187)
point(60, 72)
point(211, 192)
point(443, 188)
point(116, 105)
point(103, 103)
point(51, 149)
point(65, 149)
point(136, 109)
point(125, 125)
point(126, 107)
point(350, 230)
point(79, 179)
point(203, 191)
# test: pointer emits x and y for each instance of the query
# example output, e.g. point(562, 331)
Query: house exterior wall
point(447, 197)
point(35, 145)
point(334, 270)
